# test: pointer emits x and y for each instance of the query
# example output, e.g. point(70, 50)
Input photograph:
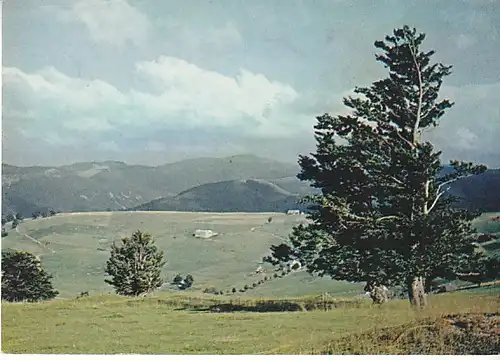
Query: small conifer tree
point(23, 278)
point(135, 266)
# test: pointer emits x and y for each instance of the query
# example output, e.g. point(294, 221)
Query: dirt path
point(34, 240)
point(272, 234)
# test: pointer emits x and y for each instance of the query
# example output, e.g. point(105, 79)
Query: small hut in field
point(204, 234)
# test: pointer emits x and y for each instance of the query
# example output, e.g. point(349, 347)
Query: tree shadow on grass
point(267, 306)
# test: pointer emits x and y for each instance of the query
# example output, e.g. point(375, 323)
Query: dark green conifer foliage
point(23, 278)
point(383, 215)
point(135, 266)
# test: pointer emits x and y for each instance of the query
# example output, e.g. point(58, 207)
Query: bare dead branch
point(440, 193)
point(396, 180)
point(364, 218)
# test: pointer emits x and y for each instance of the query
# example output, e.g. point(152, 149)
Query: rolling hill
point(479, 192)
point(116, 186)
point(228, 196)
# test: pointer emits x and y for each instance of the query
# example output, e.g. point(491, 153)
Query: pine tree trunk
point(378, 293)
point(416, 292)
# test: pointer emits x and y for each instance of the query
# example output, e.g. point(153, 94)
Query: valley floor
point(177, 324)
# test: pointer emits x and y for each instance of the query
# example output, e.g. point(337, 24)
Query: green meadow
point(74, 250)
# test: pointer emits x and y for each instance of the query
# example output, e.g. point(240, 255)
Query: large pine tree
point(383, 216)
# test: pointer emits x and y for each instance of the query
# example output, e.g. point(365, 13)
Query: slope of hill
point(479, 192)
point(116, 185)
point(294, 185)
point(228, 196)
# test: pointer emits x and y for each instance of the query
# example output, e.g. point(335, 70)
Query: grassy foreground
point(177, 324)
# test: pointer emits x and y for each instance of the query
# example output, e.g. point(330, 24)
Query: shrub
point(189, 280)
point(234, 290)
point(211, 290)
point(177, 279)
point(83, 294)
point(185, 283)
point(24, 279)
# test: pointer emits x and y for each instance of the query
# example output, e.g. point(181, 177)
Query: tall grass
point(109, 324)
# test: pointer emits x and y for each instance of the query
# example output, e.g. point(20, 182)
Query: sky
point(151, 82)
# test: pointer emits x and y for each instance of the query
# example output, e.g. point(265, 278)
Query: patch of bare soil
point(460, 334)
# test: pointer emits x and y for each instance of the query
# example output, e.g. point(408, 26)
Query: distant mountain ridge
point(479, 192)
point(236, 183)
point(114, 185)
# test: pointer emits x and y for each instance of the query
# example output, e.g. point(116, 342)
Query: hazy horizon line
point(241, 155)
point(150, 165)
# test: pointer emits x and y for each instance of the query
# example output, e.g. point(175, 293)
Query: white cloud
point(50, 84)
point(193, 101)
point(112, 21)
point(185, 97)
point(185, 89)
point(52, 100)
